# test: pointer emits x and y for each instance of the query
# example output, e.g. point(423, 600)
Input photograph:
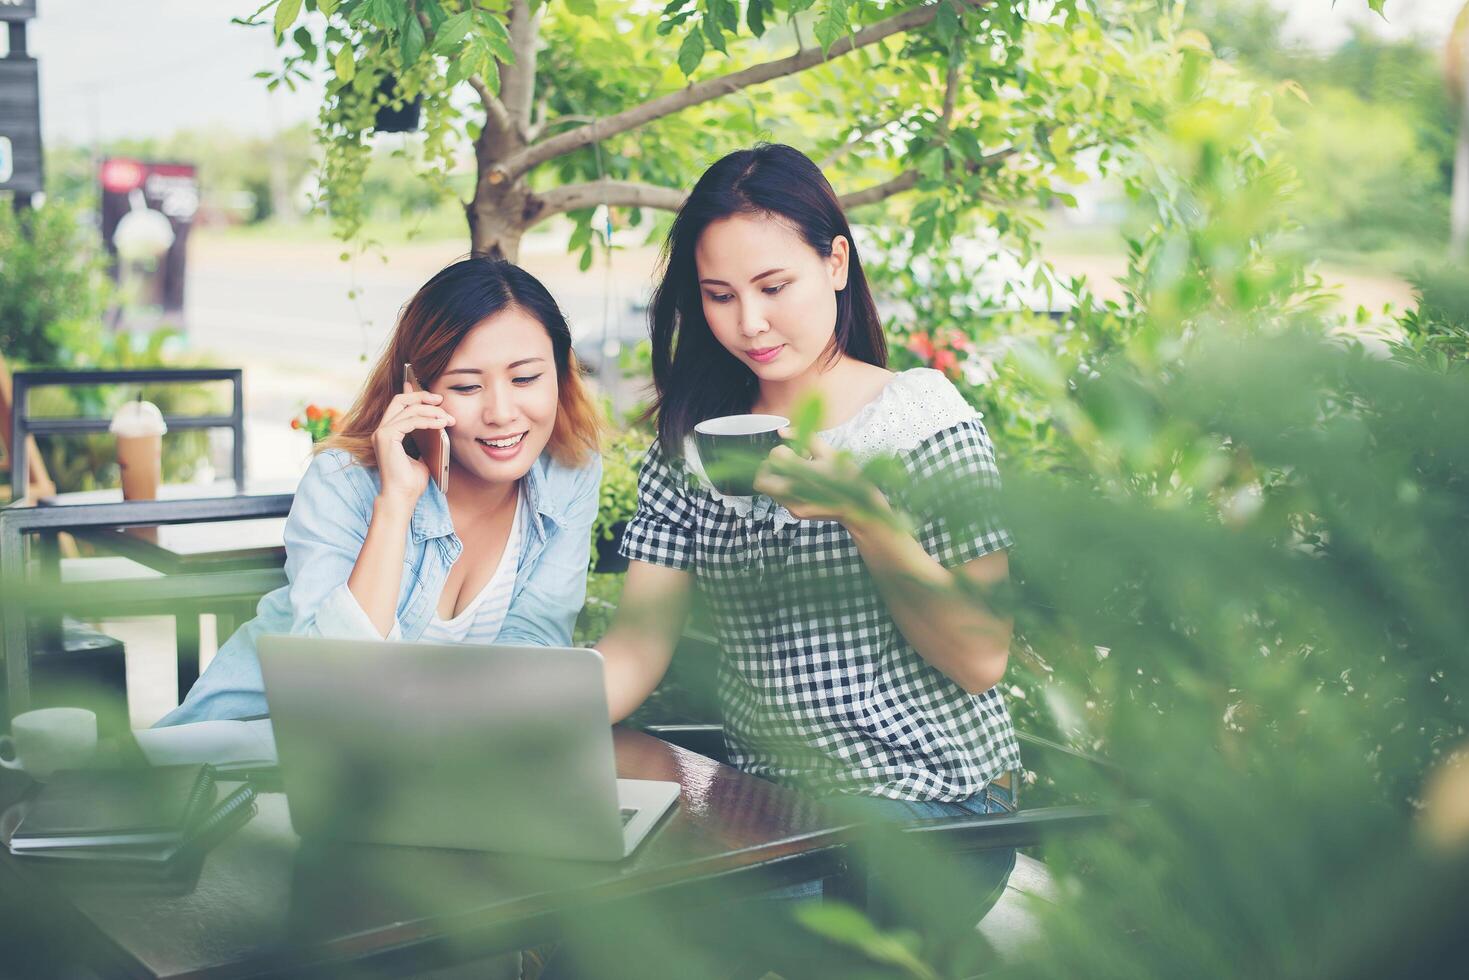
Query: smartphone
point(433, 444)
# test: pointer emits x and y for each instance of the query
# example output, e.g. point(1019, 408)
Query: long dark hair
point(436, 320)
point(694, 376)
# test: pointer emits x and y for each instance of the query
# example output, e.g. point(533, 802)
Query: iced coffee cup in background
point(138, 427)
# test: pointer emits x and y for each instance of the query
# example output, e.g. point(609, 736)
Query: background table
point(265, 904)
point(30, 566)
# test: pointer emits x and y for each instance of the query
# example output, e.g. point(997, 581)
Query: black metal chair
point(73, 662)
point(23, 424)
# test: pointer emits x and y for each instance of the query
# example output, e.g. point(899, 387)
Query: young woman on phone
point(849, 663)
point(374, 548)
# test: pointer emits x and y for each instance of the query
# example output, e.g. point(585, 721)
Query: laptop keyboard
point(627, 814)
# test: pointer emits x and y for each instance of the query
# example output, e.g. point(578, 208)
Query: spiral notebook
point(89, 808)
point(156, 859)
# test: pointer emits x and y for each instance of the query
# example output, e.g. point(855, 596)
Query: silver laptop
point(496, 748)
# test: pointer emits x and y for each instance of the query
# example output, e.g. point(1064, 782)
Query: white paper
point(220, 743)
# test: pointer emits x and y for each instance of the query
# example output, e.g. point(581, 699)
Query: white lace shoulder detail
point(911, 407)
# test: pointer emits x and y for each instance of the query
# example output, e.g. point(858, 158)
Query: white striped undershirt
point(480, 621)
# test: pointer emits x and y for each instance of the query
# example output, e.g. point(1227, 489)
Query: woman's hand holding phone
point(404, 478)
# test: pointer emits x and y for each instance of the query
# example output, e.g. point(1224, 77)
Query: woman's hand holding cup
point(820, 484)
point(404, 478)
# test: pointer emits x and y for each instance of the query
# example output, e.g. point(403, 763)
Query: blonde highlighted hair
point(434, 323)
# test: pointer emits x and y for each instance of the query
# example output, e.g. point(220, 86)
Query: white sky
point(1321, 24)
point(115, 68)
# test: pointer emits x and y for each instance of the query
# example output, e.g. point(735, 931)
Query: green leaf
point(691, 52)
point(581, 236)
point(495, 39)
point(486, 50)
point(345, 64)
point(712, 31)
point(850, 927)
point(304, 41)
point(586, 259)
point(460, 69)
point(495, 27)
point(946, 23)
point(806, 420)
point(451, 34)
point(923, 235)
point(285, 15)
point(931, 164)
point(755, 16)
point(327, 7)
point(410, 44)
point(796, 6)
point(726, 13)
point(378, 12)
point(582, 8)
point(832, 24)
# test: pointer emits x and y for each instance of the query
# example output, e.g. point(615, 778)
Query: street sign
point(153, 193)
point(20, 122)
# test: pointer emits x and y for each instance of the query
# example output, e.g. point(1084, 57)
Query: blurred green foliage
point(1373, 127)
point(53, 284)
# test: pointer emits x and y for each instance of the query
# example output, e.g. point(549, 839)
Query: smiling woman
point(376, 550)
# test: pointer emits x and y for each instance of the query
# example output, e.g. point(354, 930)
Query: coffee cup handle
point(7, 747)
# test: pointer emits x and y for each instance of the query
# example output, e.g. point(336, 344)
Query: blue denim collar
point(431, 518)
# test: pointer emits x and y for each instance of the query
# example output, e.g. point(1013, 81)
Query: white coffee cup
point(49, 739)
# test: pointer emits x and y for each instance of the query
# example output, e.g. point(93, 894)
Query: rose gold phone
point(433, 444)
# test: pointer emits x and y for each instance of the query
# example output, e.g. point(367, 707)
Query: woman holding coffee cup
point(376, 549)
point(849, 663)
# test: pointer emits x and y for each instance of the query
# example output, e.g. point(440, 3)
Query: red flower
point(948, 362)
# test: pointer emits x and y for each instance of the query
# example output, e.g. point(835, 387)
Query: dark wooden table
point(267, 904)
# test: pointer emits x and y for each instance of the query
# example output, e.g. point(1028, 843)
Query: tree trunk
point(499, 216)
point(493, 233)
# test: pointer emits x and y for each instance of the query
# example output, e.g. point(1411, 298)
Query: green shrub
point(53, 285)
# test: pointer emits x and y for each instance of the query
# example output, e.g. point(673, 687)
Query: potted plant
point(620, 460)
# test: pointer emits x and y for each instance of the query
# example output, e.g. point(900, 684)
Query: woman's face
point(500, 387)
point(769, 297)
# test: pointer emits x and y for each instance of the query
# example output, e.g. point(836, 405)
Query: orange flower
point(312, 413)
point(295, 423)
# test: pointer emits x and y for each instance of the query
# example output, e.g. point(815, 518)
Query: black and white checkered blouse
point(818, 684)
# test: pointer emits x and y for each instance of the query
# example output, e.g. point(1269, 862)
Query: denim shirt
point(324, 535)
